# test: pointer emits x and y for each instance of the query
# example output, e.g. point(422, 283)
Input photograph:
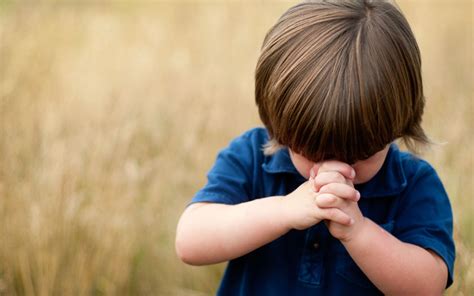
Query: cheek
point(366, 170)
point(307, 168)
point(302, 167)
point(360, 175)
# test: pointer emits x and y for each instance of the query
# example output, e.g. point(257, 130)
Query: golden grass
point(111, 114)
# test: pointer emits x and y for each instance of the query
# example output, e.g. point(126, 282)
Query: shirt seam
point(223, 198)
point(439, 248)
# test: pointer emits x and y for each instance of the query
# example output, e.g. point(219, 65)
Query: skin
point(364, 169)
point(395, 267)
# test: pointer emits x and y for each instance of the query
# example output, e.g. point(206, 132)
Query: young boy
point(336, 84)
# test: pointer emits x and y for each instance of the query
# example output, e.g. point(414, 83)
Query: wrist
point(358, 232)
point(283, 212)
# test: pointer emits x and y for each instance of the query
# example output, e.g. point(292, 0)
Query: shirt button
point(316, 245)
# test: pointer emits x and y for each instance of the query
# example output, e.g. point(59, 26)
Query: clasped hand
point(328, 195)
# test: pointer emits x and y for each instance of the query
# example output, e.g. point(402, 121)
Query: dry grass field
point(111, 113)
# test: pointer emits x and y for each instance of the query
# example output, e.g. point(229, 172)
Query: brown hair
point(340, 79)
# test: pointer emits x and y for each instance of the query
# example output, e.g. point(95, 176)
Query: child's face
point(365, 169)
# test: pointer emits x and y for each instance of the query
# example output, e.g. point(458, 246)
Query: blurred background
point(113, 111)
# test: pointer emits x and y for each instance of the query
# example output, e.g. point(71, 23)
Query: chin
point(362, 179)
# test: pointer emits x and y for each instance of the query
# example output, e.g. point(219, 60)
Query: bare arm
point(395, 267)
point(210, 233)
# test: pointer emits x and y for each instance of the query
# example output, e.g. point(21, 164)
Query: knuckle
point(336, 166)
point(347, 169)
point(319, 200)
point(340, 178)
point(331, 198)
point(323, 166)
point(326, 199)
point(354, 194)
point(319, 203)
point(349, 192)
point(327, 188)
point(333, 213)
point(319, 182)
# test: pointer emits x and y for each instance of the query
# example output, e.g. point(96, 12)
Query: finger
point(312, 188)
point(336, 215)
point(325, 178)
point(333, 165)
point(328, 200)
point(341, 190)
point(313, 172)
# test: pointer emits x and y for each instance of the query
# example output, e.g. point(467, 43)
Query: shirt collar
point(390, 179)
point(280, 162)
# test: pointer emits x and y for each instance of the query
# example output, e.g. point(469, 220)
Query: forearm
point(212, 233)
point(396, 267)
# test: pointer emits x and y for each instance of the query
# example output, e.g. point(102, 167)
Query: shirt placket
point(311, 267)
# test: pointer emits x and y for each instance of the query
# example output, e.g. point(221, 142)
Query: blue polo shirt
point(406, 198)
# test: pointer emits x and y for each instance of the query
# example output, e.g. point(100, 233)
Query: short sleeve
point(229, 180)
point(425, 218)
